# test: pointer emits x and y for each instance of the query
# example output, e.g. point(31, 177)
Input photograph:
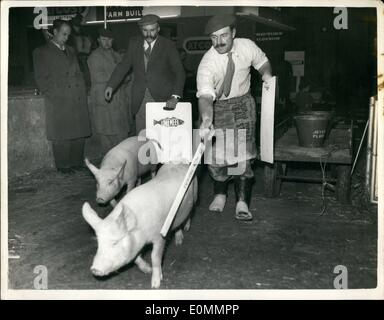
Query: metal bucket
point(312, 128)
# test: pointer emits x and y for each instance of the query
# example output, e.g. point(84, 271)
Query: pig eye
point(115, 242)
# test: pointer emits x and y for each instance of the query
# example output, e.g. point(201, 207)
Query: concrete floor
point(287, 246)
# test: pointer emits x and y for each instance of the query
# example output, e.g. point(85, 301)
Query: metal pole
point(105, 17)
point(369, 142)
point(374, 154)
point(358, 151)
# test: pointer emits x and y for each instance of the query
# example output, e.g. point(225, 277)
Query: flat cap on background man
point(148, 19)
point(106, 33)
point(219, 22)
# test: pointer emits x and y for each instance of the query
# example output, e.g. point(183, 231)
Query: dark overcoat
point(163, 77)
point(59, 78)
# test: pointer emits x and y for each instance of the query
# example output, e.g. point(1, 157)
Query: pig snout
point(100, 200)
point(96, 272)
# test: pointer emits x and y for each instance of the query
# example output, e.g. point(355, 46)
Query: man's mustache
point(149, 38)
point(222, 45)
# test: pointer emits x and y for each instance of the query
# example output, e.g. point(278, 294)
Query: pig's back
point(152, 201)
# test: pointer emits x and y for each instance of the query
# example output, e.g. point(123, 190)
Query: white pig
point(121, 167)
point(137, 220)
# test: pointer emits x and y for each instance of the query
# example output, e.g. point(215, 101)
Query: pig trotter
point(187, 225)
point(113, 203)
point(156, 256)
point(143, 265)
point(179, 237)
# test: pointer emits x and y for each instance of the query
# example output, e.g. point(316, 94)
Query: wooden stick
point(183, 189)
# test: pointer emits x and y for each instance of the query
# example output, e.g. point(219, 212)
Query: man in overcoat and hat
point(59, 78)
point(111, 119)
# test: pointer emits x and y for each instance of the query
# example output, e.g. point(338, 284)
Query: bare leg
point(143, 265)
point(156, 256)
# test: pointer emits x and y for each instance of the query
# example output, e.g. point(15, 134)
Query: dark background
point(342, 62)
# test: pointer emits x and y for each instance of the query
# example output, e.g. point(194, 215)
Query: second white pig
point(121, 166)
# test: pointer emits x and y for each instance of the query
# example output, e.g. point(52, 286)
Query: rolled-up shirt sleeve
point(258, 56)
point(205, 78)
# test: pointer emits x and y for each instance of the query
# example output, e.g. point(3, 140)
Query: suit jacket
point(59, 78)
point(164, 75)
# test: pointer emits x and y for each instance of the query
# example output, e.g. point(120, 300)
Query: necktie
point(147, 53)
point(226, 85)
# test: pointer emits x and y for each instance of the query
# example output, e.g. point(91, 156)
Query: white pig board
point(172, 129)
point(267, 120)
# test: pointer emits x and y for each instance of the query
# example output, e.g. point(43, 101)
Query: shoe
point(218, 203)
point(243, 188)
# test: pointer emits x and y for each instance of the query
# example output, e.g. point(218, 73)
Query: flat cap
point(219, 22)
point(148, 19)
point(106, 33)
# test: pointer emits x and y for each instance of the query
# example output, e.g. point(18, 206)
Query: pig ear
point(123, 216)
point(91, 216)
point(120, 175)
point(91, 167)
point(130, 218)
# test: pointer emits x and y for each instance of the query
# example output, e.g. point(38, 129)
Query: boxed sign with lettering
point(172, 129)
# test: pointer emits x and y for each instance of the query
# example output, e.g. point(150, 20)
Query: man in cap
point(111, 119)
point(158, 74)
point(223, 83)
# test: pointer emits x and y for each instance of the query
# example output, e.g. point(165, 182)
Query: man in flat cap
point(158, 74)
point(111, 119)
point(225, 102)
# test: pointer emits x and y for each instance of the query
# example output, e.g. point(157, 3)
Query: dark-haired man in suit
point(158, 73)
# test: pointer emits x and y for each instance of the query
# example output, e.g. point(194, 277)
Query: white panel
point(267, 120)
point(172, 129)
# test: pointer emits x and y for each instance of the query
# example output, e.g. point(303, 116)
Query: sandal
point(243, 216)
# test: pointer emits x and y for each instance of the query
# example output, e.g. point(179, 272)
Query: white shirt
point(146, 44)
point(213, 66)
point(62, 48)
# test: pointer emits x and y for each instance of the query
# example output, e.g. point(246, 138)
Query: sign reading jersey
point(172, 129)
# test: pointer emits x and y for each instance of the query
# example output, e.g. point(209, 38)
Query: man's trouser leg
point(140, 115)
point(68, 153)
point(77, 152)
point(61, 151)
